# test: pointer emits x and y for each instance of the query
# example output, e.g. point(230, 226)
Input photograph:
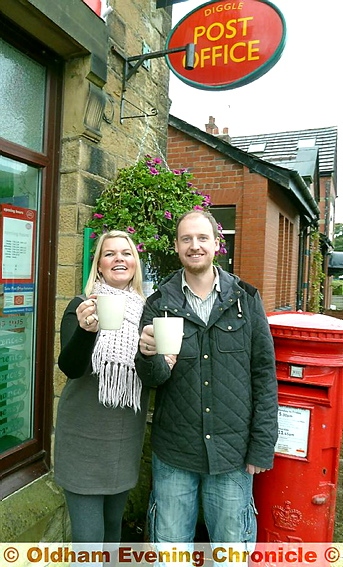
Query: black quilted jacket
point(217, 408)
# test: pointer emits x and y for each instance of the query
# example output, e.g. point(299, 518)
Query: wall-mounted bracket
point(132, 64)
point(152, 112)
point(139, 59)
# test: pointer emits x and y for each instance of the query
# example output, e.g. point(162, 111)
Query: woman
point(98, 440)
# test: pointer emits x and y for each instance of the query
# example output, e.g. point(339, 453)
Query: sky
point(302, 91)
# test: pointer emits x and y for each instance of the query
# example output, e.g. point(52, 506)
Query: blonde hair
point(137, 280)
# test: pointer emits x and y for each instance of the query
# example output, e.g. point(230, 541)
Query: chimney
point(225, 136)
point(211, 127)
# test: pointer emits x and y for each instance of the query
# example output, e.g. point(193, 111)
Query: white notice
point(17, 249)
point(293, 431)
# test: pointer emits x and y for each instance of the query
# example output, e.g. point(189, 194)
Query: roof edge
point(290, 180)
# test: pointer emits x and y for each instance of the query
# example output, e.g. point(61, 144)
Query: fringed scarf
point(114, 354)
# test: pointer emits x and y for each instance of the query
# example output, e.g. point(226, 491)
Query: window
point(226, 216)
point(307, 143)
point(257, 148)
point(18, 235)
point(284, 263)
point(30, 94)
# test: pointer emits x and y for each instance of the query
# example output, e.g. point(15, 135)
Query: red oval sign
point(235, 43)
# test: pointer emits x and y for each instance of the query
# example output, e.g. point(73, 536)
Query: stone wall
point(89, 162)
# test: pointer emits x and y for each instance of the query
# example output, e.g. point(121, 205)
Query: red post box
point(296, 500)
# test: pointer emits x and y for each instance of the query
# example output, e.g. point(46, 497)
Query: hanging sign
point(235, 43)
point(165, 3)
point(94, 5)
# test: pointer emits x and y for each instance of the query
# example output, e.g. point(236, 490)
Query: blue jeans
point(227, 502)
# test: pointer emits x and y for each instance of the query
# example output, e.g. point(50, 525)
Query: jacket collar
point(216, 281)
point(173, 300)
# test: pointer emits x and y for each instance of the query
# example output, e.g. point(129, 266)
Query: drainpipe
point(300, 281)
point(327, 209)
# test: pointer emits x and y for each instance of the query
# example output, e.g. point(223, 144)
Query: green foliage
point(316, 274)
point(145, 200)
point(337, 287)
point(338, 237)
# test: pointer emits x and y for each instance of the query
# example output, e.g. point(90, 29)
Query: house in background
point(65, 130)
point(298, 150)
point(270, 209)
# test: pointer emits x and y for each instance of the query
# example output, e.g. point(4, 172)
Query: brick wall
point(258, 203)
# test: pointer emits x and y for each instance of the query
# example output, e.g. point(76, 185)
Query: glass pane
point(19, 198)
point(226, 260)
point(226, 216)
point(22, 98)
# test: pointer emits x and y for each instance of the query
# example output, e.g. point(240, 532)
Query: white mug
point(168, 333)
point(110, 310)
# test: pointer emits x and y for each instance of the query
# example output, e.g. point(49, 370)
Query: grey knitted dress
point(97, 449)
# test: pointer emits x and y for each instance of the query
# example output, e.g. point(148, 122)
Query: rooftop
point(311, 153)
point(282, 148)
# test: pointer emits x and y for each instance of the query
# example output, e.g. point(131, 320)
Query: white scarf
point(113, 358)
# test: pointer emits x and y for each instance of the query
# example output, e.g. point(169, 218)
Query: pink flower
point(140, 247)
point(198, 208)
point(177, 171)
point(167, 215)
point(93, 235)
point(130, 229)
point(98, 216)
point(157, 160)
point(154, 171)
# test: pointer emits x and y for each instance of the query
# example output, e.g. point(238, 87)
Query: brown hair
point(206, 214)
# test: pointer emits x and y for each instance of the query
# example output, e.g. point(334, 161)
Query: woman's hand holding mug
point(86, 314)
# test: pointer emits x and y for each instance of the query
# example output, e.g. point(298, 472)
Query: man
point(215, 418)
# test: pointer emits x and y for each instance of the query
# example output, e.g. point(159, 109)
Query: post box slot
point(305, 392)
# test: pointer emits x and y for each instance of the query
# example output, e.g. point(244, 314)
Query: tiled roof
point(282, 146)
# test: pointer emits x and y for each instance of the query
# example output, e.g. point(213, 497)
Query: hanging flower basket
point(145, 200)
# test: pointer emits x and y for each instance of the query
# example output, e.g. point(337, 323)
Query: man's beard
point(196, 269)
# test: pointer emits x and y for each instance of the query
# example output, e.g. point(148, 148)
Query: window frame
point(29, 460)
point(227, 262)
